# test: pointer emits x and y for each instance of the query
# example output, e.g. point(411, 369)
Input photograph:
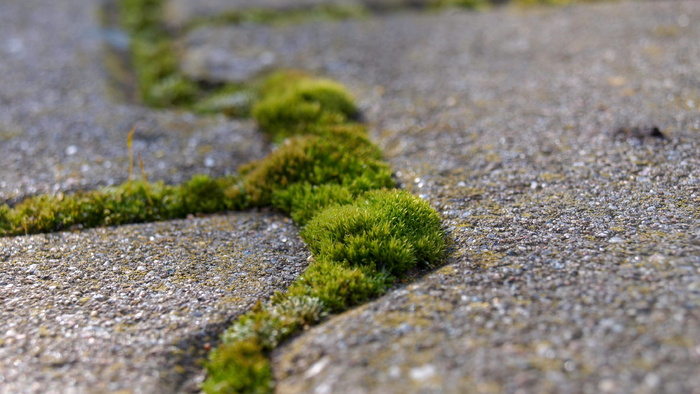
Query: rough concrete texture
point(134, 308)
point(127, 309)
point(575, 257)
point(574, 261)
point(59, 129)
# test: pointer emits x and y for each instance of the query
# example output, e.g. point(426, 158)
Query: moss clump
point(239, 367)
point(387, 231)
point(240, 364)
point(131, 202)
point(303, 200)
point(342, 157)
point(339, 286)
point(300, 105)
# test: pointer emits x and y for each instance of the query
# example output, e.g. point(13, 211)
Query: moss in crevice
point(341, 157)
point(360, 249)
point(130, 202)
point(155, 65)
point(290, 16)
point(293, 104)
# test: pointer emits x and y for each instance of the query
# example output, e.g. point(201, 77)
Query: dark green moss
point(389, 231)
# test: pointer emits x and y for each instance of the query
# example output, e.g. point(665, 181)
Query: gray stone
point(506, 123)
point(134, 308)
point(59, 129)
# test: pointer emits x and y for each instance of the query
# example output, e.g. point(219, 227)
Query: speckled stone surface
point(59, 128)
point(134, 308)
point(575, 262)
point(575, 232)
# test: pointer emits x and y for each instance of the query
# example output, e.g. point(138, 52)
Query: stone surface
point(134, 308)
point(59, 129)
point(574, 226)
point(129, 309)
point(575, 256)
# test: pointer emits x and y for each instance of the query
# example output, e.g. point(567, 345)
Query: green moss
point(319, 13)
point(294, 107)
point(343, 157)
point(203, 194)
point(131, 202)
point(238, 367)
point(338, 286)
point(231, 100)
point(303, 200)
point(5, 222)
point(240, 364)
point(389, 231)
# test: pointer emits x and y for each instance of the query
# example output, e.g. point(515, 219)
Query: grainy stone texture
point(575, 258)
point(134, 308)
point(574, 264)
point(129, 309)
point(59, 129)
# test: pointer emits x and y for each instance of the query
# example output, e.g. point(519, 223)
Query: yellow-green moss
point(298, 106)
point(342, 157)
point(131, 202)
point(389, 231)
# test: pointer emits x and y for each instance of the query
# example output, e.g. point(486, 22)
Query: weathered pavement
point(576, 249)
point(133, 308)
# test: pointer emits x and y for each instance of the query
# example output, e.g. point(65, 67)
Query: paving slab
point(561, 148)
point(128, 309)
point(61, 130)
point(575, 226)
point(134, 308)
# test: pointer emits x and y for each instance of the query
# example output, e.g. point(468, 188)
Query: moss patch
point(299, 105)
point(360, 249)
point(131, 202)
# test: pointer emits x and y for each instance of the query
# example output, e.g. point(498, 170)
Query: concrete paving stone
point(128, 309)
point(61, 130)
point(574, 261)
point(575, 242)
point(134, 308)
